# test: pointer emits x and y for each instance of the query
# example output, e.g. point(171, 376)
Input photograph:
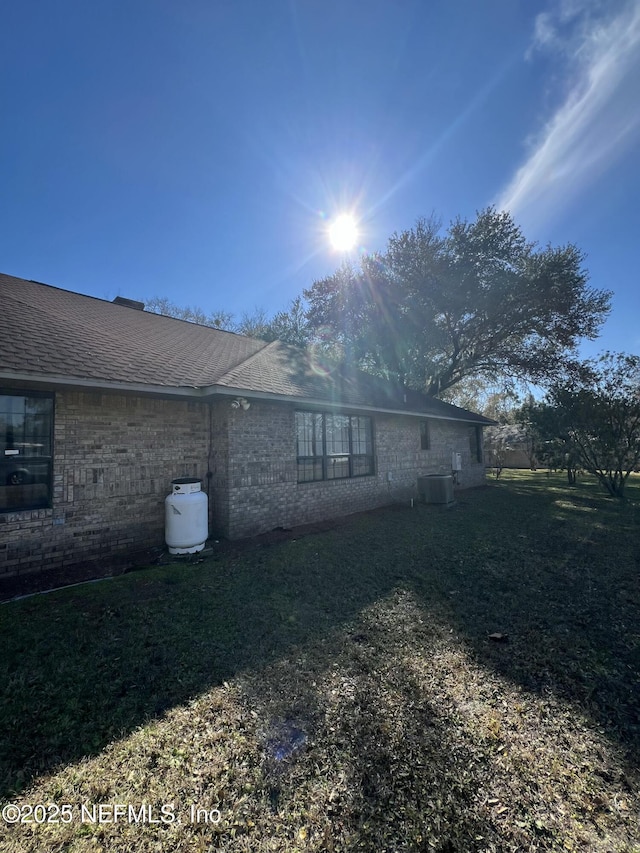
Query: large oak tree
point(477, 300)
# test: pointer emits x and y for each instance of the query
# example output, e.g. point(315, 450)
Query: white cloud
point(554, 29)
point(598, 119)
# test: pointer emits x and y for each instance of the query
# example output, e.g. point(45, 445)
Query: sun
point(343, 232)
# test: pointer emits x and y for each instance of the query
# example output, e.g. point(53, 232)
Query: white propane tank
point(186, 516)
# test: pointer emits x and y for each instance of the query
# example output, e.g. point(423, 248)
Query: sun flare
point(343, 233)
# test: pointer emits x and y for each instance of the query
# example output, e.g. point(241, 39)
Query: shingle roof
point(54, 334)
point(304, 374)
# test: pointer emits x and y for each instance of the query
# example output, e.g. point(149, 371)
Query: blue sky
point(197, 149)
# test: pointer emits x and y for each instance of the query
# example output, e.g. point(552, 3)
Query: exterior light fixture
point(240, 403)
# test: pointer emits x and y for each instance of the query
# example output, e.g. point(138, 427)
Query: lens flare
point(343, 233)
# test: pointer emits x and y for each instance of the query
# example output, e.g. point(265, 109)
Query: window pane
point(12, 414)
point(309, 470)
point(303, 435)
point(337, 434)
point(337, 467)
point(25, 451)
point(478, 439)
point(425, 439)
point(309, 433)
point(361, 441)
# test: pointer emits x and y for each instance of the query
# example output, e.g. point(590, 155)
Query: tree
point(498, 442)
point(598, 407)
point(254, 324)
point(548, 437)
point(495, 400)
point(288, 325)
point(215, 319)
point(479, 300)
point(291, 325)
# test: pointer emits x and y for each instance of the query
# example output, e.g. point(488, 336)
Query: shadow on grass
point(86, 666)
point(556, 569)
point(389, 765)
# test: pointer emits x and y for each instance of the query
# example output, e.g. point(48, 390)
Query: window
point(309, 432)
point(26, 424)
point(425, 437)
point(333, 447)
point(475, 441)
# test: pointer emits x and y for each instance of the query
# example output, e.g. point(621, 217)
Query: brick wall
point(263, 489)
point(114, 459)
point(219, 414)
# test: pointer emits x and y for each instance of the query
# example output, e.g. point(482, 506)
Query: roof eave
point(319, 403)
point(211, 391)
point(89, 384)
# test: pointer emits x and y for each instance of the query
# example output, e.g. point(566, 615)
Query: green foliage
point(289, 325)
point(548, 437)
point(479, 300)
point(597, 408)
point(475, 304)
point(591, 420)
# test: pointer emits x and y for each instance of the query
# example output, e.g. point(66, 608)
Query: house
point(103, 404)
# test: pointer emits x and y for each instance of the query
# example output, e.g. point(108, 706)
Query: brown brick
point(115, 457)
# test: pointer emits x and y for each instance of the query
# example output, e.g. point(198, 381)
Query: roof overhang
point(320, 404)
point(212, 392)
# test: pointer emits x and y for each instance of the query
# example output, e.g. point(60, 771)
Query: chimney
point(129, 303)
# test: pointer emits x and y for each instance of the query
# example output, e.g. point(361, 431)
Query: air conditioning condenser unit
point(436, 489)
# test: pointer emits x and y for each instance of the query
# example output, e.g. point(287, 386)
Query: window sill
point(333, 480)
point(8, 516)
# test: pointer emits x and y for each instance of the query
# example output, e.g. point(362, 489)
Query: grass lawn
point(342, 691)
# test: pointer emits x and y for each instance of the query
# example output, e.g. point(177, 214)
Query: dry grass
point(341, 692)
